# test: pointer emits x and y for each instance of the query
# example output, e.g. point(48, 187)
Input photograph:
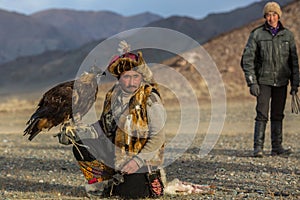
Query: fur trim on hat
point(272, 7)
point(144, 69)
point(124, 63)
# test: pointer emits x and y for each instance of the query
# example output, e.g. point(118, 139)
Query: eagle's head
point(92, 73)
point(96, 70)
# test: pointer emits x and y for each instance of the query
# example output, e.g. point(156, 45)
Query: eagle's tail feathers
point(32, 129)
point(33, 135)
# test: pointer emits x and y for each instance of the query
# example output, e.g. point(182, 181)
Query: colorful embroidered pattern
point(95, 171)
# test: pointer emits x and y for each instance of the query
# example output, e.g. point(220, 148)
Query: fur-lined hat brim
point(130, 61)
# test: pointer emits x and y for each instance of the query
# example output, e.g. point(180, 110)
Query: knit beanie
point(272, 7)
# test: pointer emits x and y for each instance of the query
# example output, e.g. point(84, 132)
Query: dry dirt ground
point(45, 169)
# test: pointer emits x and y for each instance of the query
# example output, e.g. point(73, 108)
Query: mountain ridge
point(25, 35)
point(215, 23)
point(225, 50)
point(67, 29)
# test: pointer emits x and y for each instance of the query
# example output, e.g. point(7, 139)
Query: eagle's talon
point(70, 130)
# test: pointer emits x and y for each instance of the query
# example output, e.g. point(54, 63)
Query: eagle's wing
point(54, 108)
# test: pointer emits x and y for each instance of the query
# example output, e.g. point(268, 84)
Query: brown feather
point(62, 103)
point(43, 124)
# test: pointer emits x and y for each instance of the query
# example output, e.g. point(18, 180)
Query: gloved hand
point(63, 138)
point(254, 90)
point(294, 89)
point(76, 133)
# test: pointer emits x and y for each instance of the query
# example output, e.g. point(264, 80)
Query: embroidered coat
point(135, 125)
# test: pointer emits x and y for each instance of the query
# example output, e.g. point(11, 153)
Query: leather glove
point(254, 90)
point(294, 90)
point(76, 133)
point(63, 138)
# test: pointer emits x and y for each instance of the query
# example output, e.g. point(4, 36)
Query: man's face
point(130, 81)
point(272, 19)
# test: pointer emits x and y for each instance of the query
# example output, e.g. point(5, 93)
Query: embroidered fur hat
point(272, 7)
point(129, 61)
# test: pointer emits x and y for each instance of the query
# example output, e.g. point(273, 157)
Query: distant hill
point(41, 71)
point(34, 73)
point(23, 35)
point(63, 29)
point(226, 50)
point(215, 24)
point(86, 26)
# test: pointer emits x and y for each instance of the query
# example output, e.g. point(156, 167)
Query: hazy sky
point(193, 8)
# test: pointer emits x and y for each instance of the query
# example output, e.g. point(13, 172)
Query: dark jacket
point(271, 60)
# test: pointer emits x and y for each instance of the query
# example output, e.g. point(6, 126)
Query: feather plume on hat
point(129, 61)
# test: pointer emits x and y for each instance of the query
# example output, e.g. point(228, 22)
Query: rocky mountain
point(62, 29)
point(41, 71)
point(86, 26)
point(23, 35)
point(35, 73)
point(226, 51)
point(214, 24)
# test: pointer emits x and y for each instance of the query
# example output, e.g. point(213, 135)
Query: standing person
point(270, 62)
point(133, 118)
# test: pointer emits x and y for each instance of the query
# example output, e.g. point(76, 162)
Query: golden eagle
point(66, 102)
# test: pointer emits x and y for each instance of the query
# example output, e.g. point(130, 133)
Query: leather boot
point(259, 138)
point(276, 138)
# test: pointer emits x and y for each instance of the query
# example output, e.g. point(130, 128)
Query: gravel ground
point(44, 169)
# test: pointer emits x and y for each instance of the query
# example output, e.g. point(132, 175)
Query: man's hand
point(130, 167)
point(294, 90)
point(254, 90)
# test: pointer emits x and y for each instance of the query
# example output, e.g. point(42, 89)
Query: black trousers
point(277, 96)
point(135, 186)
